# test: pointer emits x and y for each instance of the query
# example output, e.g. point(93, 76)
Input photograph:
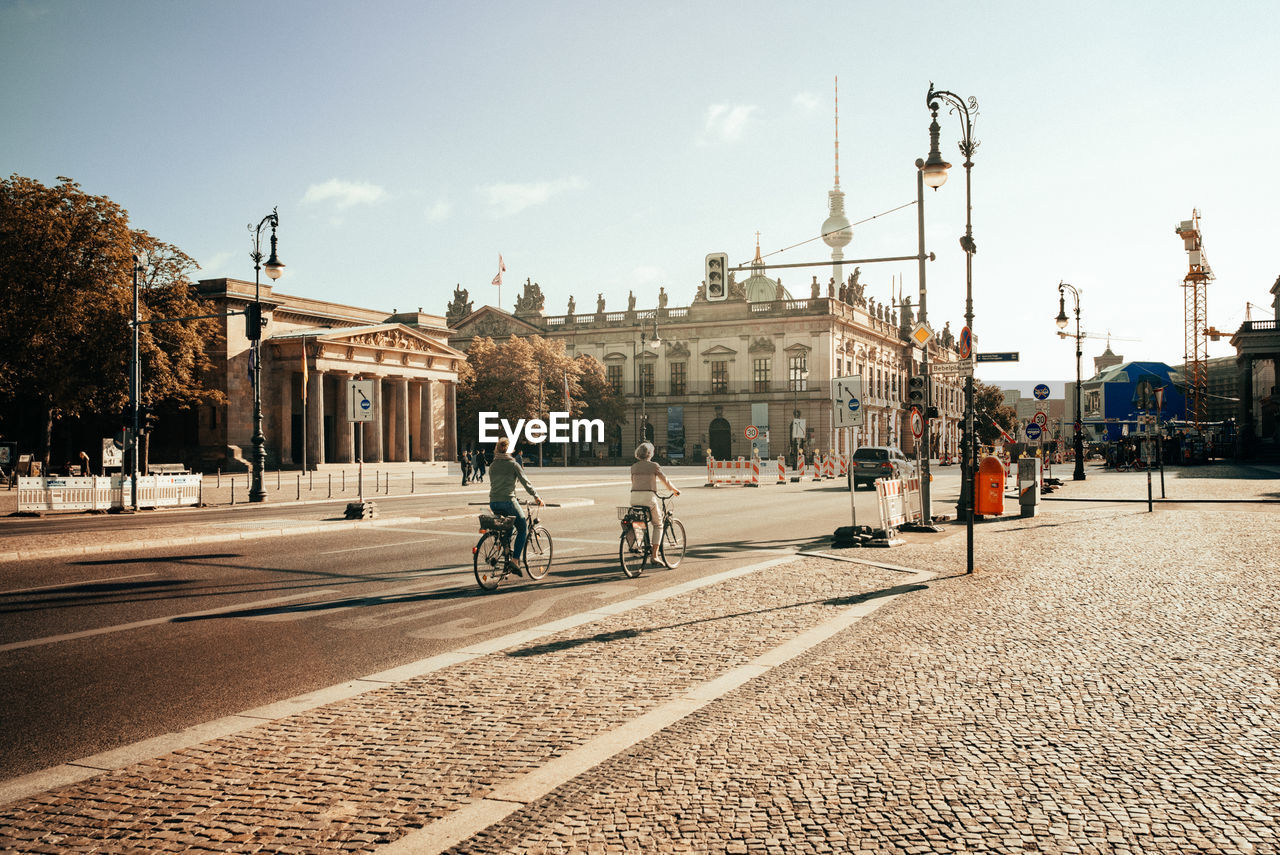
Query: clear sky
point(607, 147)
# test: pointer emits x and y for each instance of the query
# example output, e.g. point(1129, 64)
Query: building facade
point(310, 350)
point(761, 359)
point(1257, 345)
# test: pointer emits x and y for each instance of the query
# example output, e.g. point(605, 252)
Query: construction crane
point(1195, 288)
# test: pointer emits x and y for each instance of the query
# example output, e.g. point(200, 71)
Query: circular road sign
point(365, 403)
point(1033, 431)
point(1042, 420)
point(751, 432)
point(917, 424)
point(966, 343)
point(1041, 392)
point(854, 403)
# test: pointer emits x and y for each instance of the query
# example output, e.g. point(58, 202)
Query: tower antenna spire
point(837, 132)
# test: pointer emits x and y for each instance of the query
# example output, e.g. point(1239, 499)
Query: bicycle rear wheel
point(488, 561)
point(632, 555)
point(672, 547)
point(537, 552)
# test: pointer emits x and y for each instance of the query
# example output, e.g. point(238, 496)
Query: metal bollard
point(310, 482)
point(344, 480)
point(298, 494)
point(233, 489)
point(219, 476)
point(411, 474)
point(330, 496)
point(277, 477)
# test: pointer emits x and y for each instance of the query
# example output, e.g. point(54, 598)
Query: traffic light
point(717, 271)
point(146, 419)
point(915, 391)
point(253, 321)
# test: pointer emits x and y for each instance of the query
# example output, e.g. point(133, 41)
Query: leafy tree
point(988, 407)
point(66, 264)
point(524, 378)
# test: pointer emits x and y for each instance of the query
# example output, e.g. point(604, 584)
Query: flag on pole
point(497, 280)
point(304, 371)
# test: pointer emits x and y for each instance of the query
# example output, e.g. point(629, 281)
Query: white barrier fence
point(101, 494)
point(900, 501)
point(740, 471)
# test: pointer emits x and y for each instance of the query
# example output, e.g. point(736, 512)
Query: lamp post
point(653, 344)
point(935, 175)
point(274, 270)
point(800, 378)
point(1078, 475)
point(135, 391)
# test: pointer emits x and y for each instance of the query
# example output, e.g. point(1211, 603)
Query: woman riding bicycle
point(504, 471)
point(645, 477)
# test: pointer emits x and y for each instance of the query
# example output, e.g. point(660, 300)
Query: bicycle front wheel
point(488, 561)
point(537, 552)
point(672, 546)
point(631, 555)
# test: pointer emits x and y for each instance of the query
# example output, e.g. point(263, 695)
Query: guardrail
point(101, 494)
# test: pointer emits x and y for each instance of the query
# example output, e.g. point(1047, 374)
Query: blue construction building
point(1107, 399)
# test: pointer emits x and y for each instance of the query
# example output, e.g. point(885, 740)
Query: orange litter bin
point(989, 487)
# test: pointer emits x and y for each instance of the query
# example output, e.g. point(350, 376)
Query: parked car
point(871, 462)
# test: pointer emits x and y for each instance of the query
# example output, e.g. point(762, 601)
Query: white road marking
point(122, 627)
point(74, 584)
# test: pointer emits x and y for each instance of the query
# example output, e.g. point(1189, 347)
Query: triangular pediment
point(391, 337)
point(492, 322)
point(719, 350)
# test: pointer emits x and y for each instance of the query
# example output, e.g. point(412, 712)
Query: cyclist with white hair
point(645, 477)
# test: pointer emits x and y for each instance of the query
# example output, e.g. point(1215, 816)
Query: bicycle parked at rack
point(634, 546)
point(492, 552)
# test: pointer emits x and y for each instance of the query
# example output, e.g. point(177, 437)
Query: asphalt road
point(101, 652)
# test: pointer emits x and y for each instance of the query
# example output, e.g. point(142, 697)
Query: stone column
point(451, 420)
point(373, 430)
point(286, 418)
point(428, 420)
point(415, 421)
point(400, 431)
point(344, 442)
point(315, 419)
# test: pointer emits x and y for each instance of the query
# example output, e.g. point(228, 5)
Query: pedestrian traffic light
point(253, 321)
point(717, 268)
point(146, 420)
point(915, 390)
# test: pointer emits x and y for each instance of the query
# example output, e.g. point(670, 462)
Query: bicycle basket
point(492, 523)
point(633, 514)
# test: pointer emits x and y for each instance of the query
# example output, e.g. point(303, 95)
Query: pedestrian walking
point(480, 465)
point(465, 460)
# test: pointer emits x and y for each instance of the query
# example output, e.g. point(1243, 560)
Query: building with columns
point(311, 349)
point(762, 358)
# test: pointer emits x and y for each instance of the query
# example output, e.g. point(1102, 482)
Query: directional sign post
point(961, 367)
point(847, 412)
point(360, 408)
point(1002, 356)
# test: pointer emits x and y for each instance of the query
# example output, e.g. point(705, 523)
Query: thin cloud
point(439, 212)
point(807, 101)
point(344, 194)
point(726, 123)
point(508, 199)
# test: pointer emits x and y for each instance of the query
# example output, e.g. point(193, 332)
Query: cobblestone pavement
point(1107, 682)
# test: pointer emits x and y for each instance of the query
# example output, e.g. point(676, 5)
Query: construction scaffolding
point(1195, 294)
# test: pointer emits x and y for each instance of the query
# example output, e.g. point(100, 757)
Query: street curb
point(327, 527)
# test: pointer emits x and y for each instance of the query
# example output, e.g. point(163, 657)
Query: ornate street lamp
point(1062, 325)
point(934, 173)
point(274, 270)
point(653, 344)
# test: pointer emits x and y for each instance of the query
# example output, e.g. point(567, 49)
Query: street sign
point(962, 367)
point(1000, 356)
point(917, 424)
point(112, 454)
point(1041, 392)
point(846, 401)
point(1033, 431)
point(966, 343)
point(1042, 420)
point(921, 334)
point(751, 432)
point(360, 401)
point(1144, 395)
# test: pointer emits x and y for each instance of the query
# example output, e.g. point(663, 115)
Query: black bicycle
point(492, 553)
point(634, 546)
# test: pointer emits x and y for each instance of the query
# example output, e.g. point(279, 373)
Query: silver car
point(871, 462)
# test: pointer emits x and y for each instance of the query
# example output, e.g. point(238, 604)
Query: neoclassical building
point(763, 358)
point(321, 346)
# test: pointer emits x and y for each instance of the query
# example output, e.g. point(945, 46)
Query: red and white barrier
point(900, 501)
point(740, 471)
point(782, 470)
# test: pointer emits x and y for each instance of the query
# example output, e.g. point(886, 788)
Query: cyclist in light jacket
point(504, 471)
point(645, 477)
